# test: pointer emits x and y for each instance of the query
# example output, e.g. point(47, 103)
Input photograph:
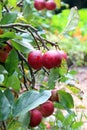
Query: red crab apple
point(35, 59)
point(3, 56)
point(50, 5)
point(4, 53)
point(51, 59)
point(7, 48)
point(39, 4)
point(54, 95)
point(63, 54)
point(46, 108)
point(35, 118)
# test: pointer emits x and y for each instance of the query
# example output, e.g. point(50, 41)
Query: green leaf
point(69, 119)
point(22, 45)
point(4, 107)
point(9, 95)
point(53, 76)
point(77, 125)
point(3, 70)
point(27, 9)
point(73, 20)
point(63, 69)
point(30, 100)
point(66, 99)
point(11, 62)
point(13, 82)
point(15, 125)
point(12, 2)
point(59, 115)
point(0, 10)
point(1, 78)
point(9, 35)
point(8, 18)
point(25, 119)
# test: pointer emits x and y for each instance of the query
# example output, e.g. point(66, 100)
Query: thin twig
point(34, 38)
point(31, 71)
point(18, 25)
point(29, 28)
point(41, 40)
point(25, 81)
point(4, 125)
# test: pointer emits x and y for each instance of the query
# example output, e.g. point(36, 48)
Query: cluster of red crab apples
point(49, 60)
point(44, 110)
point(44, 4)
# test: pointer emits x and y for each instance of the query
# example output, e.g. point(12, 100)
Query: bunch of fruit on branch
point(44, 110)
point(44, 4)
point(50, 59)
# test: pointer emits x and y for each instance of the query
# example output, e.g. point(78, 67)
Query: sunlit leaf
point(12, 2)
point(0, 10)
point(73, 20)
point(77, 125)
point(58, 3)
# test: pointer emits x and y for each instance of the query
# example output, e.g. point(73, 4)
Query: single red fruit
point(47, 108)
point(39, 4)
point(3, 56)
point(35, 118)
point(35, 59)
point(54, 96)
point(50, 5)
point(63, 54)
point(51, 59)
point(7, 48)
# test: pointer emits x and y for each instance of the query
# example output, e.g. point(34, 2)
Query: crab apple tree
point(31, 67)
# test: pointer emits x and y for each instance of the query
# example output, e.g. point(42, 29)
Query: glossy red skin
point(39, 4)
point(51, 59)
point(47, 108)
point(35, 118)
point(63, 54)
point(3, 56)
point(35, 59)
point(50, 5)
point(54, 96)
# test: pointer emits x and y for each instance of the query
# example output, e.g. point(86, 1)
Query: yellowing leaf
point(58, 3)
